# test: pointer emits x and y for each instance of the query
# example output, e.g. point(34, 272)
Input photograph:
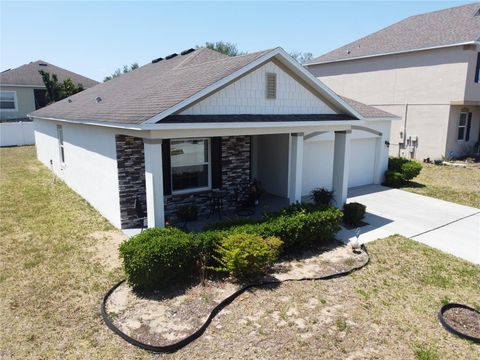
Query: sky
point(93, 38)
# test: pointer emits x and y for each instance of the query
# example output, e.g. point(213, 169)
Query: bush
point(187, 212)
point(245, 255)
point(159, 257)
point(394, 179)
point(226, 224)
point(411, 169)
point(297, 227)
point(353, 213)
point(401, 170)
point(322, 196)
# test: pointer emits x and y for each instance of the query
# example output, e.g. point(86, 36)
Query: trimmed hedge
point(158, 257)
point(353, 213)
point(401, 170)
point(244, 255)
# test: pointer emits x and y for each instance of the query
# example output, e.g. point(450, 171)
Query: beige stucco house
point(424, 69)
point(22, 89)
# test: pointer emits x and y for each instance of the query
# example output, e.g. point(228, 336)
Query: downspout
point(403, 144)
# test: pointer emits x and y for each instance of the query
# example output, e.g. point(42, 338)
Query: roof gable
point(28, 75)
point(247, 95)
point(453, 26)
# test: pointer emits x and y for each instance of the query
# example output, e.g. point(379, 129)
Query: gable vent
point(271, 86)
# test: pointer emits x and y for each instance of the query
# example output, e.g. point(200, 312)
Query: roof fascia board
point(29, 86)
point(394, 53)
point(90, 122)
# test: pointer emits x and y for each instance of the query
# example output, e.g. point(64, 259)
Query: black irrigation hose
point(187, 340)
point(451, 329)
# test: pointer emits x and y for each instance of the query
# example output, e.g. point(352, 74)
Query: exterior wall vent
point(271, 86)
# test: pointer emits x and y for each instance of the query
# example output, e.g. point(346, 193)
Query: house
point(22, 91)
point(168, 133)
point(424, 69)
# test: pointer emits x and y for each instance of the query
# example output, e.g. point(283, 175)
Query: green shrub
point(244, 255)
point(297, 227)
point(401, 170)
point(226, 224)
point(411, 169)
point(396, 163)
point(187, 212)
point(322, 196)
point(158, 257)
point(353, 213)
point(394, 179)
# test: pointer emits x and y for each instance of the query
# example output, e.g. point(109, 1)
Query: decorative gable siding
point(248, 96)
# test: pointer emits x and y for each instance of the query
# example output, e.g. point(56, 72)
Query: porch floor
point(267, 203)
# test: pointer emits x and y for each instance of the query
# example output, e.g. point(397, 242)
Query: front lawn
point(455, 184)
point(58, 258)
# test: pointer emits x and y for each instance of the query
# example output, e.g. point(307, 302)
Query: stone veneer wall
point(131, 179)
point(235, 151)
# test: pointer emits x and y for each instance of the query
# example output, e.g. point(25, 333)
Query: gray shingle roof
point(439, 28)
point(28, 74)
point(149, 90)
point(367, 111)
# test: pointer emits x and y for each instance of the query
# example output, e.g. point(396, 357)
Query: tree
point(118, 72)
point(301, 57)
point(56, 90)
point(224, 47)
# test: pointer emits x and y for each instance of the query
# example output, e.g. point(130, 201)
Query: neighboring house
point(169, 132)
point(22, 91)
point(425, 69)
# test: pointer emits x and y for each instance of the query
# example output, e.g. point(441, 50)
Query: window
point(271, 89)
point(60, 144)
point(477, 69)
point(8, 100)
point(190, 164)
point(464, 125)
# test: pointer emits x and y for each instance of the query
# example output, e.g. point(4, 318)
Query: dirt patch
point(106, 245)
point(464, 320)
point(165, 317)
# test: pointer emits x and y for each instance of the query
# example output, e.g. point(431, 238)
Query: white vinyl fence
point(17, 133)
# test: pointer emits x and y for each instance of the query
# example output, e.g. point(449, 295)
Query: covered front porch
point(186, 170)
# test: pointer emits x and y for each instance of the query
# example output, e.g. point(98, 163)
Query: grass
point(455, 184)
point(51, 286)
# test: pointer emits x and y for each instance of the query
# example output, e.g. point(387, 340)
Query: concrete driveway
point(449, 227)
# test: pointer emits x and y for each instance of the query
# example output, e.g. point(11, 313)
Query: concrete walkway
point(449, 227)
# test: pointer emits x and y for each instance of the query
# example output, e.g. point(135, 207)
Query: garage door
point(362, 162)
point(318, 164)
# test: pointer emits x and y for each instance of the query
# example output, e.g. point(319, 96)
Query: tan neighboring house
point(424, 69)
point(22, 90)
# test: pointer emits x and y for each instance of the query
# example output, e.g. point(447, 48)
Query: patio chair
point(140, 213)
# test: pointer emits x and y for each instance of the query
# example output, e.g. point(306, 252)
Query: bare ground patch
point(164, 317)
point(105, 247)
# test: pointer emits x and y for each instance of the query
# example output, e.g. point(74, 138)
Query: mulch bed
point(464, 320)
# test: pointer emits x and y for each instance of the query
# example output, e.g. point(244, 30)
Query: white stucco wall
point(318, 158)
point(90, 162)
point(248, 96)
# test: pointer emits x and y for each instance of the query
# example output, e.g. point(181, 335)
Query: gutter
point(393, 53)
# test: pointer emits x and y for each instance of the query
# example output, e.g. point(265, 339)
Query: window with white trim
point(60, 144)
point(190, 163)
point(464, 125)
point(8, 100)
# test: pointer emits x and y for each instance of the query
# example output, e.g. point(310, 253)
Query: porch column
point(341, 159)
point(295, 168)
point(154, 182)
